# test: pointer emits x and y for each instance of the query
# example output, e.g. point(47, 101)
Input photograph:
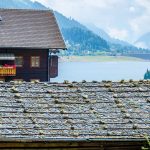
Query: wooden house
point(75, 116)
point(29, 41)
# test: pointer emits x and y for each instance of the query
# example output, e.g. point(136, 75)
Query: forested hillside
point(79, 39)
point(83, 42)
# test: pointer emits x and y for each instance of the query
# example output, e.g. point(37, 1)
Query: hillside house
point(29, 41)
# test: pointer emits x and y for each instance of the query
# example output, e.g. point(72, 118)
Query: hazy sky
point(123, 19)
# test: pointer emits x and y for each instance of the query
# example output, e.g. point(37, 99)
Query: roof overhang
point(34, 48)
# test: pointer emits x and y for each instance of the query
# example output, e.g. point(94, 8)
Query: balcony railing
point(8, 71)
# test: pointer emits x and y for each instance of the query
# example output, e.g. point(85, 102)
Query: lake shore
point(99, 59)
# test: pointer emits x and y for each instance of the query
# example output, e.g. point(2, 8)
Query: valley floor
point(98, 59)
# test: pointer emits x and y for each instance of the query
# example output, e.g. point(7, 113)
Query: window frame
point(35, 61)
point(20, 66)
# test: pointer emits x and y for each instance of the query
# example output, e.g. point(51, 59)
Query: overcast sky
point(123, 19)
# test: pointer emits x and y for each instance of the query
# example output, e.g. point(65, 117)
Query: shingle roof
point(29, 29)
point(97, 110)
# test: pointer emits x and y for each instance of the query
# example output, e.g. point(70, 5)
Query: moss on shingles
point(131, 80)
point(83, 81)
point(94, 81)
point(56, 101)
point(117, 101)
point(70, 85)
point(123, 110)
point(19, 100)
point(135, 126)
point(66, 82)
point(72, 128)
point(101, 122)
point(17, 95)
point(115, 95)
point(111, 90)
point(122, 81)
point(84, 96)
point(104, 127)
point(148, 100)
point(14, 90)
point(127, 116)
point(107, 85)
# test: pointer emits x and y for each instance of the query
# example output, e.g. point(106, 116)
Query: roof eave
point(72, 140)
point(35, 48)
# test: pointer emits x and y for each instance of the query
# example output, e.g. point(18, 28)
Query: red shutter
point(53, 63)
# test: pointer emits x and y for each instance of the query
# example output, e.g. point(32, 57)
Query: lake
point(78, 71)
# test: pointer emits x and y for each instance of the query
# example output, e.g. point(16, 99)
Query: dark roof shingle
point(76, 110)
point(29, 29)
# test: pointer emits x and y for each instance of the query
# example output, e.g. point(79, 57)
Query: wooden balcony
point(8, 71)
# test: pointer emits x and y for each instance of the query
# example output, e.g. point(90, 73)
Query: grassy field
point(98, 59)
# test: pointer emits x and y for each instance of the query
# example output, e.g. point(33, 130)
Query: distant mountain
point(105, 36)
point(144, 41)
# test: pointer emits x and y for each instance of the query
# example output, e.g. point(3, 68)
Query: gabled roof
point(29, 29)
point(98, 111)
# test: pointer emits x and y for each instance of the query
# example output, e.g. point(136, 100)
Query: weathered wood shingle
point(29, 29)
point(75, 110)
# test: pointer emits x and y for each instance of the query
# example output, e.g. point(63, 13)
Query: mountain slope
point(91, 43)
point(144, 41)
point(98, 31)
point(114, 45)
point(105, 36)
point(79, 39)
point(67, 23)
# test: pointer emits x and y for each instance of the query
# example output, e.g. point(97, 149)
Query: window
point(35, 61)
point(19, 61)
